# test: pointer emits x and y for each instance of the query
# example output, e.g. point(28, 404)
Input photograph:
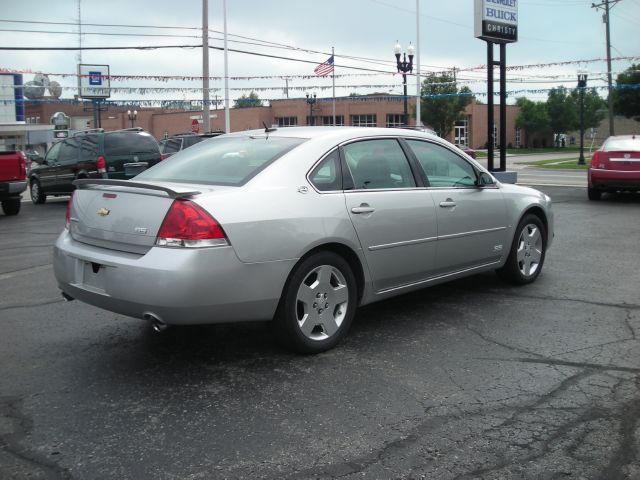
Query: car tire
point(11, 206)
point(594, 194)
point(317, 305)
point(527, 253)
point(37, 195)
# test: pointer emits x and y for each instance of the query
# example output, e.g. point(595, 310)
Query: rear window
point(129, 143)
point(171, 145)
point(618, 144)
point(221, 161)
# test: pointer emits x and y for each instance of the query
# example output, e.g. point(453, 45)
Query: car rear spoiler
point(97, 183)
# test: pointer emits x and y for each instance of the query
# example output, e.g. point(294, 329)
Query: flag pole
point(418, 86)
point(333, 80)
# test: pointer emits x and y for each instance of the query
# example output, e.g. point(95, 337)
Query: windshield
point(622, 144)
point(221, 160)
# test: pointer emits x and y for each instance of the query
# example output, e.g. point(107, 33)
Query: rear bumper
point(179, 286)
point(614, 179)
point(11, 189)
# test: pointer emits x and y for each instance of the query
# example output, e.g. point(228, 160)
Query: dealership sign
point(94, 81)
point(496, 20)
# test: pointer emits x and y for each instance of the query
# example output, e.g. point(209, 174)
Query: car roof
point(336, 133)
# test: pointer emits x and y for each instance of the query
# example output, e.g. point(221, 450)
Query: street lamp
point(132, 116)
point(311, 100)
point(582, 85)
point(404, 67)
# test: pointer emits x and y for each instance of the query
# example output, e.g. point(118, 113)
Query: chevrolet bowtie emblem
point(103, 212)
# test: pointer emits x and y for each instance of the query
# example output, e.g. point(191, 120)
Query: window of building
point(461, 132)
point(363, 120)
point(518, 137)
point(287, 121)
point(327, 120)
point(395, 120)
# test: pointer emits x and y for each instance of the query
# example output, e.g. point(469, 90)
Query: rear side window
point(327, 176)
point(188, 141)
point(221, 161)
point(89, 146)
point(378, 164)
point(69, 152)
point(171, 145)
point(128, 143)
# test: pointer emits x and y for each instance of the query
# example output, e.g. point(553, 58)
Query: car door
point(394, 217)
point(67, 166)
point(47, 170)
point(472, 219)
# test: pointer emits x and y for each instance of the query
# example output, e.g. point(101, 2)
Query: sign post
point(496, 21)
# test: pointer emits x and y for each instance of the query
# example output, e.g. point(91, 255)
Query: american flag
point(325, 68)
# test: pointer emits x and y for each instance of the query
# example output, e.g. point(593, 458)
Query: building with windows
point(363, 111)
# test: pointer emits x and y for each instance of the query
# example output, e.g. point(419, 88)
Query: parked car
point(300, 225)
point(13, 180)
point(469, 151)
point(175, 143)
point(615, 166)
point(118, 154)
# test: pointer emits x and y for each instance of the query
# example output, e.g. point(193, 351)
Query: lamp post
point(404, 67)
point(582, 85)
point(311, 100)
point(132, 116)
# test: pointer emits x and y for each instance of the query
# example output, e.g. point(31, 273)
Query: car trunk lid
point(121, 215)
point(620, 160)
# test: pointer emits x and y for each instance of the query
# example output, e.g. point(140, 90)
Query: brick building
point(351, 111)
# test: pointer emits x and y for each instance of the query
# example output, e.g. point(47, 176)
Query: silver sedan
point(295, 225)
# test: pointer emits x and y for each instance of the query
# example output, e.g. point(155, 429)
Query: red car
point(615, 166)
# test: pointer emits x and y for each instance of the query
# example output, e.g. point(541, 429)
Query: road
point(468, 380)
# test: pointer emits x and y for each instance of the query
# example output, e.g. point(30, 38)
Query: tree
point(595, 108)
point(532, 118)
point(252, 100)
point(442, 102)
point(626, 96)
point(562, 112)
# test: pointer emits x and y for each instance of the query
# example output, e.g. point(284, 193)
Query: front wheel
point(37, 195)
point(11, 206)
point(527, 253)
point(318, 304)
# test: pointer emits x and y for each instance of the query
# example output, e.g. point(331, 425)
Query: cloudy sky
point(363, 33)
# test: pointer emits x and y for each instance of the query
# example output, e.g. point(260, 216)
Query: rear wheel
point(594, 194)
point(527, 252)
point(37, 195)
point(318, 304)
point(11, 206)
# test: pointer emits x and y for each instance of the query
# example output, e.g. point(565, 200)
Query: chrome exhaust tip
point(67, 297)
point(157, 325)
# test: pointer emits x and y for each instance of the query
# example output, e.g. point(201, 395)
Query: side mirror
point(484, 179)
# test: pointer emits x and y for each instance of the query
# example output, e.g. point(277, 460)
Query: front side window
point(443, 167)
point(221, 160)
point(327, 176)
point(52, 154)
point(378, 164)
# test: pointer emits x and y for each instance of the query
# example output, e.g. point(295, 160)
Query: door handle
point(363, 208)
point(448, 203)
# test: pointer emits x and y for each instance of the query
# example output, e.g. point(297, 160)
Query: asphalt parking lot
point(469, 380)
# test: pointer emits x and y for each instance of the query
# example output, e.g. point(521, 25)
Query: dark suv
point(175, 143)
point(119, 154)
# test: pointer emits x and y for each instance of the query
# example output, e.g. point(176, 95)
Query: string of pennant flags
point(174, 103)
point(167, 78)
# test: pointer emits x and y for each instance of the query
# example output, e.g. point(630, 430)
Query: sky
point(549, 32)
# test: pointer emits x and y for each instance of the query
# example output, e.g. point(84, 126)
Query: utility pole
point(206, 107)
point(606, 5)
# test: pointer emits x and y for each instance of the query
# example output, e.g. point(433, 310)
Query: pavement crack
point(489, 339)
point(566, 363)
point(39, 303)
point(21, 425)
point(627, 321)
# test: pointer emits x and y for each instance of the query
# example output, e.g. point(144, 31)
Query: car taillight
point(102, 164)
point(22, 166)
point(188, 225)
point(162, 156)
point(67, 217)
